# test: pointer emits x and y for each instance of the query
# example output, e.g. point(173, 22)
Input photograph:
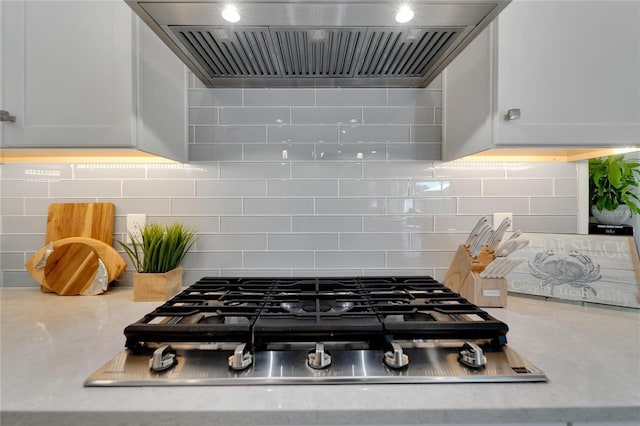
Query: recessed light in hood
point(404, 15)
point(230, 14)
point(317, 43)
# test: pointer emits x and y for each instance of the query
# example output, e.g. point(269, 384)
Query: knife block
point(462, 277)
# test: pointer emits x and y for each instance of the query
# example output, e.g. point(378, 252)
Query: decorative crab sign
point(590, 268)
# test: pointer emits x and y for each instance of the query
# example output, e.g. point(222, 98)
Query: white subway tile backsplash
point(429, 205)
point(517, 187)
point(279, 97)
point(278, 206)
point(414, 151)
point(415, 97)
point(149, 206)
point(183, 171)
point(215, 97)
point(265, 224)
point(203, 152)
point(485, 205)
point(83, 188)
point(205, 206)
point(305, 242)
point(436, 241)
point(231, 188)
point(398, 115)
point(400, 169)
point(351, 97)
point(235, 170)
point(469, 170)
point(207, 261)
point(374, 133)
point(458, 223)
point(336, 115)
point(374, 272)
point(11, 206)
point(232, 242)
point(202, 225)
point(360, 189)
point(351, 151)
point(26, 243)
point(542, 170)
point(17, 188)
point(31, 224)
point(418, 259)
point(215, 152)
point(553, 205)
point(203, 115)
point(35, 172)
point(302, 134)
point(110, 171)
point(372, 188)
point(547, 224)
point(331, 272)
point(346, 259)
point(326, 170)
point(278, 259)
point(12, 261)
point(254, 273)
point(277, 152)
point(565, 187)
point(448, 187)
point(398, 223)
point(373, 241)
point(350, 206)
point(254, 115)
point(328, 224)
point(158, 188)
point(297, 188)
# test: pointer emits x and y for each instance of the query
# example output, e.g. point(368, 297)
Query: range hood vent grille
point(403, 53)
point(318, 52)
point(224, 53)
point(296, 52)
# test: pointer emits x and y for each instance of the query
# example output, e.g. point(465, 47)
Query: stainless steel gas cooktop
point(233, 331)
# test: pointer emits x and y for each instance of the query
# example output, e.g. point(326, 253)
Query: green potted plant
point(156, 255)
point(612, 181)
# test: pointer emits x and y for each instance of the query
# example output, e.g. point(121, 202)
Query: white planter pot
point(613, 217)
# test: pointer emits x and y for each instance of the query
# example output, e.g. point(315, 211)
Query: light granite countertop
point(50, 344)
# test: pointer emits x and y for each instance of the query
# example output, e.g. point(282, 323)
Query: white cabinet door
point(67, 73)
point(573, 69)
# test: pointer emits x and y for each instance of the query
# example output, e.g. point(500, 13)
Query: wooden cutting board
point(91, 220)
point(70, 266)
point(64, 220)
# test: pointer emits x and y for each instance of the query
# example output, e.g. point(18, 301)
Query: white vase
point(612, 217)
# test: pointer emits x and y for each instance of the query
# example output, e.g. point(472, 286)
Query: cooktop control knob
point(396, 358)
point(240, 359)
point(163, 358)
point(471, 355)
point(319, 359)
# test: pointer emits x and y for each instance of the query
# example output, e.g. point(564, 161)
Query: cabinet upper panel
point(577, 78)
point(68, 73)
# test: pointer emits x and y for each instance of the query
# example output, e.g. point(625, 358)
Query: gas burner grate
point(264, 311)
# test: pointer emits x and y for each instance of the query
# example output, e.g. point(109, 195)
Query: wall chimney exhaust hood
point(317, 43)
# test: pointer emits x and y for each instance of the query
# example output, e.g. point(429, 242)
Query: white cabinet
point(72, 75)
point(572, 68)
